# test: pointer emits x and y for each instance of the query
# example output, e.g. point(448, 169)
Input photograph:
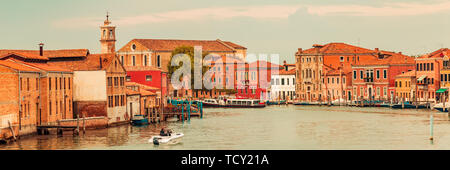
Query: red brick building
point(38, 93)
point(253, 80)
point(374, 79)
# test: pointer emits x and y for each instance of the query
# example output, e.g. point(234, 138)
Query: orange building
point(43, 91)
point(313, 64)
point(429, 69)
point(154, 54)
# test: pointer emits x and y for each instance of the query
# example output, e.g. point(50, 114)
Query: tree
point(188, 50)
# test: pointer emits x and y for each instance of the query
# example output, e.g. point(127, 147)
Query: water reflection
point(274, 127)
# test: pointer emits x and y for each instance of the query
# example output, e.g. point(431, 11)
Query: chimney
point(41, 49)
point(300, 50)
point(377, 50)
point(400, 53)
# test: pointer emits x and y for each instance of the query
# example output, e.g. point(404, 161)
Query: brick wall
point(90, 122)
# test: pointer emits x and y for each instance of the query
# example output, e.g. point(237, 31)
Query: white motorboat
point(172, 139)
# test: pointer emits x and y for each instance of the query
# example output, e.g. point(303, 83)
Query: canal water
point(274, 127)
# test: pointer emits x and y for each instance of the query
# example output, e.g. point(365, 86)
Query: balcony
point(368, 79)
point(307, 80)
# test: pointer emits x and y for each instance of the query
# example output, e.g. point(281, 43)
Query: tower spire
point(107, 22)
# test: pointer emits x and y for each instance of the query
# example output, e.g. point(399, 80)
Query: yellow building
point(405, 86)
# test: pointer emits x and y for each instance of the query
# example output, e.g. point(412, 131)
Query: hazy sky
point(263, 26)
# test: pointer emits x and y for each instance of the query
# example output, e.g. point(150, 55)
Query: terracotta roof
point(142, 68)
point(336, 48)
point(236, 46)
point(50, 53)
point(146, 93)
point(42, 66)
point(141, 86)
point(17, 66)
point(440, 53)
point(171, 44)
point(390, 58)
point(8, 53)
point(407, 74)
point(90, 63)
point(131, 92)
point(289, 72)
point(262, 64)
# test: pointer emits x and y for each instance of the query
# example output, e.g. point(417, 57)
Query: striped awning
point(422, 77)
point(441, 90)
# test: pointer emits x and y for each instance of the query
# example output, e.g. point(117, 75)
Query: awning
point(422, 77)
point(441, 90)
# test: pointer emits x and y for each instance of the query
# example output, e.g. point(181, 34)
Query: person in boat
point(164, 133)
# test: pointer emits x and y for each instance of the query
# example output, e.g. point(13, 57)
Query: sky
point(413, 27)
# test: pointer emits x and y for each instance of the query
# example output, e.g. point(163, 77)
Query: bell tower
point(108, 37)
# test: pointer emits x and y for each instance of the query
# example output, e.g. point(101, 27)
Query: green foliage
point(188, 50)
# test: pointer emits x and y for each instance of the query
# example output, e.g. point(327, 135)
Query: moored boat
point(233, 103)
point(139, 120)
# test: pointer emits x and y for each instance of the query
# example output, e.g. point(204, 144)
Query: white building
point(283, 86)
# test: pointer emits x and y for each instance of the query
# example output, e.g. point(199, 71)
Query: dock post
point(84, 124)
point(182, 113)
point(59, 131)
point(201, 109)
point(189, 110)
point(77, 131)
point(431, 126)
point(12, 130)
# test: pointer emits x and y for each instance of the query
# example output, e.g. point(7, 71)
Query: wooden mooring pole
point(12, 130)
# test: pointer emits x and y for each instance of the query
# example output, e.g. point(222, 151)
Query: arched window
point(104, 33)
point(111, 35)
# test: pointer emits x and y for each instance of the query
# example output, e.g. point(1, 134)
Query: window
point(109, 81)
point(378, 74)
point(384, 74)
point(37, 83)
point(133, 47)
point(121, 59)
point(116, 100)
point(341, 59)
point(158, 61)
point(282, 81)
point(145, 60)
point(122, 82)
point(134, 61)
point(128, 78)
point(28, 84)
point(56, 107)
point(56, 83)
point(343, 80)
point(49, 83)
point(116, 81)
point(354, 75)
point(148, 78)
point(378, 91)
point(111, 35)
point(361, 74)
point(432, 65)
point(50, 107)
point(69, 82)
point(385, 91)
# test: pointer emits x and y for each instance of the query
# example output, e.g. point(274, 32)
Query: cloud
point(256, 12)
point(389, 9)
